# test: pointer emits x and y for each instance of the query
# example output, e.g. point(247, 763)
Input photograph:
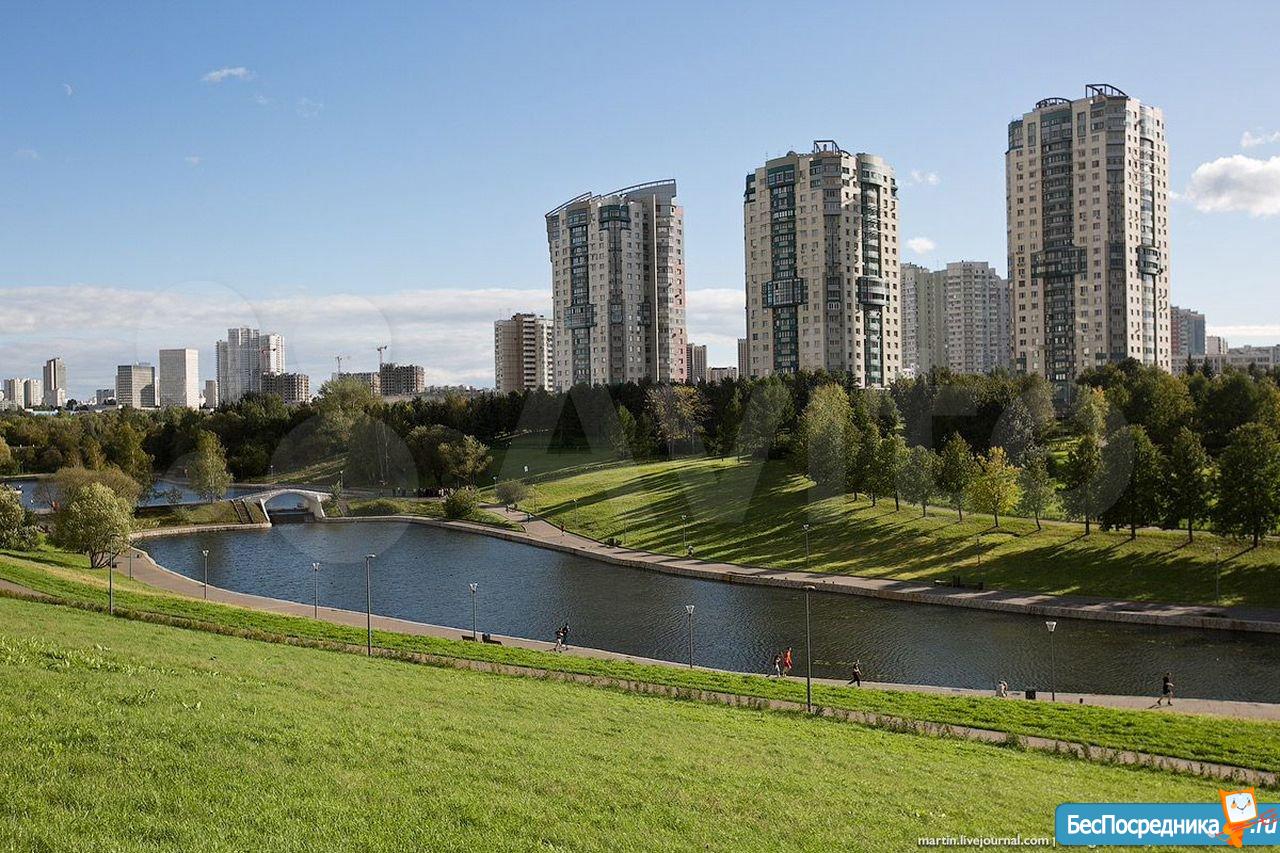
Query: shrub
point(379, 506)
point(461, 503)
point(511, 492)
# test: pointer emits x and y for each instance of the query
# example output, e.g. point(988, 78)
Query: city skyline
point(256, 196)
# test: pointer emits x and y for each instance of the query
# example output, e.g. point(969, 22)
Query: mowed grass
point(123, 735)
point(753, 513)
point(414, 506)
point(1244, 743)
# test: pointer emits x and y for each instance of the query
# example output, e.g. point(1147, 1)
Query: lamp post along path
point(1053, 668)
point(689, 609)
point(206, 573)
point(473, 610)
point(368, 603)
point(808, 653)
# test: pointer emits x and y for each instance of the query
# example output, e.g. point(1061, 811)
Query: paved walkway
point(538, 531)
point(147, 571)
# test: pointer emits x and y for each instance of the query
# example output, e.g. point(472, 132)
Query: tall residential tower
point(821, 246)
point(522, 353)
point(1087, 194)
point(617, 272)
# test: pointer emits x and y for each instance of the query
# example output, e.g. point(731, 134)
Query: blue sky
point(368, 173)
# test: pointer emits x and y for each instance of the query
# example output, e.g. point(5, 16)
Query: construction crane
point(381, 350)
point(339, 358)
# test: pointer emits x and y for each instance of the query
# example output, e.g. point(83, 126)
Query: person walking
point(857, 674)
point(786, 661)
point(1002, 689)
point(1166, 690)
point(559, 640)
point(564, 636)
point(777, 664)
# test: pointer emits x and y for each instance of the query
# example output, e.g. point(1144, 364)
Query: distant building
point(210, 400)
point(523, 353)
point(371, 380)
point(292, 388)
point(32, 393)
point(957, 318)
point(822, 277)
point(924, 319)
point(11, 391)
point(136, 385)
point(104, 396)
point(744, 358)
point(55, 383)
point(243, 358)
point(1214, 345)
point(696, 362)
point(401, 380)
point(617, 273)
point(1186, 331)
point(1242, 358)
point(179, 378)
point(720, 374)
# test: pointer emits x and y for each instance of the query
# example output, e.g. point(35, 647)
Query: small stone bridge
point(314, 500)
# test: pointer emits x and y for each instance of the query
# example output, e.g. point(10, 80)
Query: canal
point(423, 574)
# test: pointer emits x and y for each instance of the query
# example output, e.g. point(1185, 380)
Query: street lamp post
point(1217, 575)
point(315, 570)
point(689, 609)
point(130, 556)
point(368, 603)
point(684, 533)
point(473, 610)
point(205, 552)
point(808, 652)
point(806, 547)
point(111, 587)
point(1053, 668)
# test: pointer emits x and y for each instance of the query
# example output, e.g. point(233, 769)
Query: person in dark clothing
point(1166, 690)
point(857, 674)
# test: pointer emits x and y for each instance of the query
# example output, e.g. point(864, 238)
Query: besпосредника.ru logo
point(1236, 820)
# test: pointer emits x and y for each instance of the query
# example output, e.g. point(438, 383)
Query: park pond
point(423, 574)
point(164, 493)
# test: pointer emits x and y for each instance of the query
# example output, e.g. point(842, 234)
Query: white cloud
point(1252, 140)
point(194, 159)
point(1237, 183)
point(27, 154)
point(68, 89)
point(921, 245)
point(239, 72)
point(308, 108)
point(261, 99)
point(1268, 331)
point(930, 178)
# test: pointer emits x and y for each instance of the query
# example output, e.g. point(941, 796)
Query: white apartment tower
point(617, 271)
point(822, 278)
point(136, 386)
point(179, 381)
point(1087, 194)
point(523, 353)
point(924, 319)
point(977, 336)
point(242, 358)
point(55, 383)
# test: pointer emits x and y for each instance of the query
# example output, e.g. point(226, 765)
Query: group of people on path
point(782, 663)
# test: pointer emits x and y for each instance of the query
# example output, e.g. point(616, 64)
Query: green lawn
point(412, 506)
point(753, 513)
point(135, 736)
point(1245, 743)
point(218, 512)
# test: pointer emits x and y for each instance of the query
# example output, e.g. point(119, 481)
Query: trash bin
point(1031, 694)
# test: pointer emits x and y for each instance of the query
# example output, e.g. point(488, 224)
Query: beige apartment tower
point(822, 277)
point(1087, 192)
point(695, 360)
point(617, 272)
point(522, 353)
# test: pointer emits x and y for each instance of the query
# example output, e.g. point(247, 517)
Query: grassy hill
point(136, 736)
point(752, 512)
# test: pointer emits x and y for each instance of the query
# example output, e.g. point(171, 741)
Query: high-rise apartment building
point(210, 400)
point(744, 358)
point(401, 380)
point(523, 353)
point(1186, 334)
point(242, 358)
point(822, 277)
point(978, 337)
point(32, 393)
point(136, 385)
point(695, 360)
point(292, 388)
point(924, 319)
point(721, 374)
point(617, 271)
point(55, 383)
point(1087, 192)
point(179, 379)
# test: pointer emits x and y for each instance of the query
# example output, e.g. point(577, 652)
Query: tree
point(865, 456)
point(1037, 485)
point(622, 436)
point(461, 503)
point(95, 522)
point(1189, 481)
point(1016, 432)
point(511, 492)
point(918, 479)
point(6, 457)
point(827, 433)
point(1249, 483)
point(1089, 417)
point(426, 445)
point(1084, 464)
point(889, 459)
point(768, 410)
point(956, 470)
point(13, 517)
point(995, 487)
point(69, 482)
point(677, 412)
point(208, 472)
point(730, 424)
point(1140, 501)
point(466, 459)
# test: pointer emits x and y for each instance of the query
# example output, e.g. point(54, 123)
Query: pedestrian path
point(539, 531)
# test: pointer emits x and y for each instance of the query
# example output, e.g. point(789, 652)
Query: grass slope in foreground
point(138, 736)
point(1244, 743)
point(753, 513)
